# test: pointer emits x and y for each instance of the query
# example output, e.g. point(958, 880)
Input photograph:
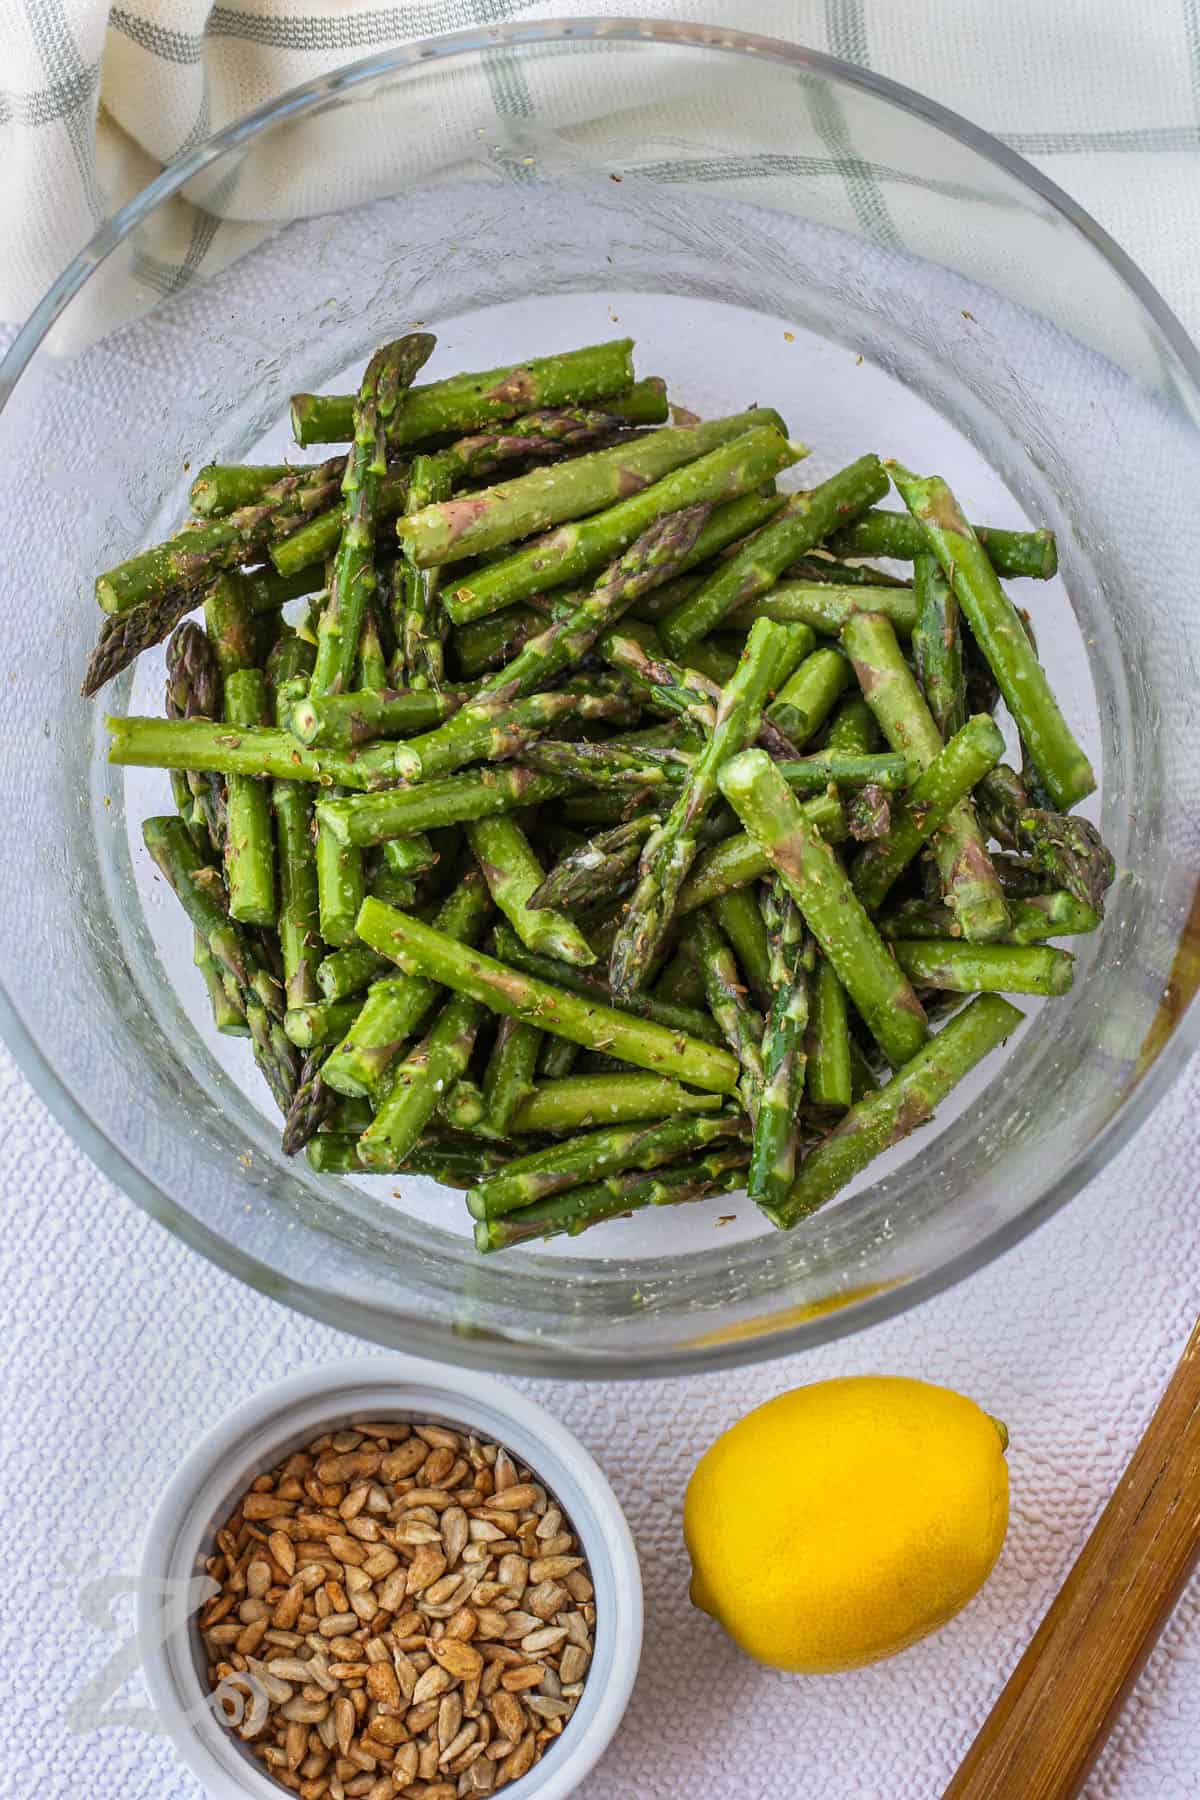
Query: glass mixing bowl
point(771, 226)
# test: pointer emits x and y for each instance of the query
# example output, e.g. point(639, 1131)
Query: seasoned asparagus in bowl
point(603, 833)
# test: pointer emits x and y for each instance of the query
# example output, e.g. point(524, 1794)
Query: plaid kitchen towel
point(94, 100)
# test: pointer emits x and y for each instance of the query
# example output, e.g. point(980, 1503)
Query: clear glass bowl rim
point(409, 1333)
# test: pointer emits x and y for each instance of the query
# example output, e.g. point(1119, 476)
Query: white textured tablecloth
point(121, 1346)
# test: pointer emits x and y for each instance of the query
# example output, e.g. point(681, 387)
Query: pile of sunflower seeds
point(403, 1614)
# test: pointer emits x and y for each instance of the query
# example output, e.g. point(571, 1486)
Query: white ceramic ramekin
point(261, 1432)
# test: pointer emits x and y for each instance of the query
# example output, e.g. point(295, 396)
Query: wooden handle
point(1044, 1732)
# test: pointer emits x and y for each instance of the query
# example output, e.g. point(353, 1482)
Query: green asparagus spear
point(202, 894)
point(422, 628)
point(344, 721)
point(468, 402)
point(229, 624)
point(321, 1022)
point(370, 669)
point(471, 458)
point(347, 972)
point(249, 835)
point(1001, 798)
point(396, 1006)
point(410, 856)
point(420, 950)
point(596, 1153)
point(579, 1101)
point(686, 1020)
point(495, 728)
point(312, 543)
point(668, 686)
point(352, 584)
point(883, 1118)
point(829, 1069)
point(1031, 920)
point(299, 912)
point(937, 647)
point(191, 559)
point(124, 635)
point(997, 629)
point(229, 1014)
point(550, 431)
point(773, 1157)
point(826, 609)
point(832, 911)
point(287, 669)
point(311, 1105)
point(256, 751)
point(694, 695)
point(740, 1023)
point(927, 805)
point(608, 765)
point(820, 566)
point(566, 641)
point(890, 772)
point(1063, 849)
point(420, 1081)
point(853, 730)
point(222, 488)
point(649, 559)
point(899, 537)
point(670, 851)
point(421, 632)
point(1069, 851)
point(340, 886)
point(347, 1115)
point(249, 845)
point(804, 521)
point(740, 917)
point(489, 642)
point(737, 861)
point(968, 879)
point(193, 690)
point(687, 690)
point(543, 498)
point(336, 1153)
point(731, 471)
point(728, 525)
point(277, 1060)
point(514, 874)
point(597, 869)
point(985, 968)
point(462, 1109)
point(615, 1197)
point(805, 701)
point(341, 871)
point(509, 1078)
point(608, 808)
point(479, 794)
point(270, 630)
point(393, 890)
point(193, 676)
point(1055, 914)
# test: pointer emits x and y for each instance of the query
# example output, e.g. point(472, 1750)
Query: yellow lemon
point(841, 1522)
